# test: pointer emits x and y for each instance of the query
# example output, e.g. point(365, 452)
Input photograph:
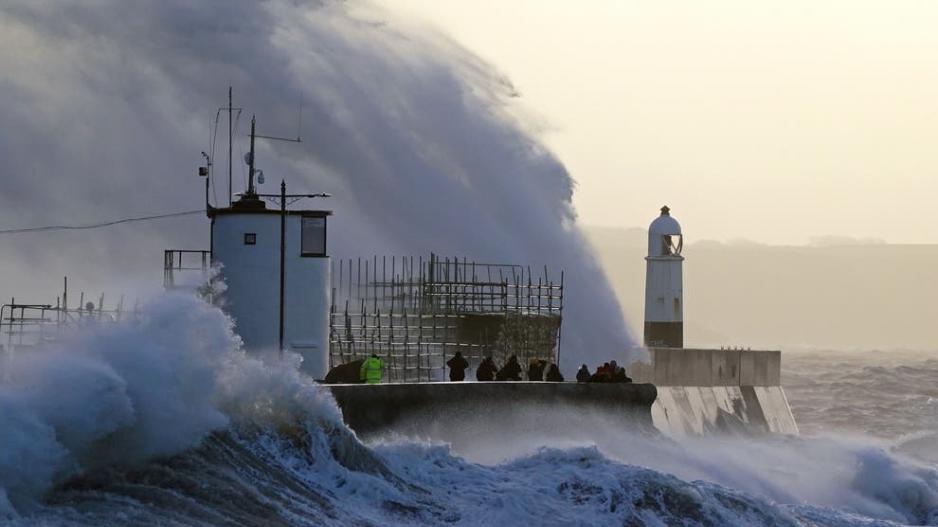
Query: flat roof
point(224, 211)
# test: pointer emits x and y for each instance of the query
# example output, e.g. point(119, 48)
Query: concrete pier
point(681, 392)
point(508, 406)
point(703, 391)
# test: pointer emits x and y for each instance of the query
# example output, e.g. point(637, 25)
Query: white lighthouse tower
point(276, 268)
point(664, 296)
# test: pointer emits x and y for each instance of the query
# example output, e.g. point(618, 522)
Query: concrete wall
point(695, 392)
point(702, 391)
point(706, 410)
point(426, 408)
point(709, 367)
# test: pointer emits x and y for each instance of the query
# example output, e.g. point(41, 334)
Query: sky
point(775, 122)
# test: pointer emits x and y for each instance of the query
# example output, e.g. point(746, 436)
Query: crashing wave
point(167, 421)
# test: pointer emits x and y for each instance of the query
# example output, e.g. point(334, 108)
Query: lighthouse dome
point(664, 236)
point(664, 224)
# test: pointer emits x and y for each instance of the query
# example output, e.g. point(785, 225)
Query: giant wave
point(166, 420)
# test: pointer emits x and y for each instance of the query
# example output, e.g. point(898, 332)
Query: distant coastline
point(846, 295)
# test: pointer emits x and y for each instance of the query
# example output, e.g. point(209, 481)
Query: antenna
point(299, 127)
point(272, 138)
point(250, 191)
point(229, 145)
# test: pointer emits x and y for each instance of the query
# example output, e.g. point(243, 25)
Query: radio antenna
point(299, 127)
point(229, 145)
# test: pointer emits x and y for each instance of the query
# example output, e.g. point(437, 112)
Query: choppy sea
point(143, 426)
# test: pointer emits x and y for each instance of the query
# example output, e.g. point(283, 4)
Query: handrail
point(174, 260)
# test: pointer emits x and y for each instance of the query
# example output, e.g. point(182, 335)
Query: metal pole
point(283, 241)
point(229, 145)
point(250, 191)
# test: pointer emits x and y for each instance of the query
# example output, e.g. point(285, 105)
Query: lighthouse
point(664, 296)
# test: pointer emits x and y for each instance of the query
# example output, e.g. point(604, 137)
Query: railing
point(28, 325)
point(179, 261)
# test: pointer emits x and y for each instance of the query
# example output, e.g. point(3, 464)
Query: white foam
point(130, 391)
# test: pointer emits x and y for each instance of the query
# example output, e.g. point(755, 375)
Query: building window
point(250, 238)
point(313, 236)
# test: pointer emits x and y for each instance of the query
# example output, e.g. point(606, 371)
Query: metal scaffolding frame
point(416, 312)
point(184, 262)
point(29, 325)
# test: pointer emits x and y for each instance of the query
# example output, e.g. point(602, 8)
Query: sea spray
point(424, 146)
point(153, 385)
point(848, 473)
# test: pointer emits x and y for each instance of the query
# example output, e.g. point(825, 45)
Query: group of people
point(369, 371)
point(510, 371)
point(608, 372)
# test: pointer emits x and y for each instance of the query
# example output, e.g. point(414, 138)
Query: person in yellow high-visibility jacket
point(370, 371)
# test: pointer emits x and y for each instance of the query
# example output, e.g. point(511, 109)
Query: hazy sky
point(775, 121)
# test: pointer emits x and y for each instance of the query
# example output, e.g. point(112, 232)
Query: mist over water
point(424, 146)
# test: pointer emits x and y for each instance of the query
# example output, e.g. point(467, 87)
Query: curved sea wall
point(701, 391)
point(425, 407)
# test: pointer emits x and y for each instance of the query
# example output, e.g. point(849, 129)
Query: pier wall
point(457, 411)
point(703, 391)
point(709, 367)
point(682, 392)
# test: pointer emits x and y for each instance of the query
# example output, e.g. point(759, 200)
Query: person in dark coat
point(583, 374)
point(623, 377)
point(620, 375)
point(536, 370)
point(511, 371)
point(486, 370)
point(347, 373)
point(602, 374)
point(457, 367)
point(553, 374)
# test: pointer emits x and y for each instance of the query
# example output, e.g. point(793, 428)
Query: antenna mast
point(250, 191)
point(229, 145)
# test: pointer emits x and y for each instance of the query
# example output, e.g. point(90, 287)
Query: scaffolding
point(415, 313)
point(24, 326)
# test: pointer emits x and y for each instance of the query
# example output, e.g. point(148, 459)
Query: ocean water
point(139, 425)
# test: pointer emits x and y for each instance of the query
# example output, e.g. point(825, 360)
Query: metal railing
point(181, 261)
point(29, 325)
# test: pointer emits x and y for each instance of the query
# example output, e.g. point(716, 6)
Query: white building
point(664, 295)
point(276, 305)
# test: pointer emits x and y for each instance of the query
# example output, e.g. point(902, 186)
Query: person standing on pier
point(536, 370)
point(511, 371)
point(457, 367)
point(553, 374)
point(371, 370)
point(486, 371)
